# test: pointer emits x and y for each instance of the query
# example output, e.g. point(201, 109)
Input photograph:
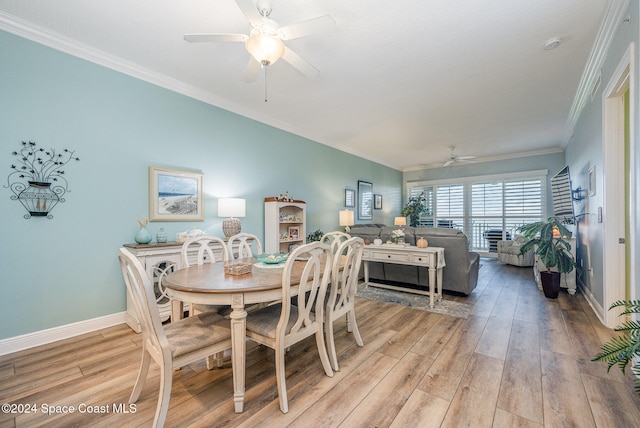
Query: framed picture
point(365, 200)
point(175, 195)
point(294, 232)
point(349, 198)
point(591, 181)
point(377, 202)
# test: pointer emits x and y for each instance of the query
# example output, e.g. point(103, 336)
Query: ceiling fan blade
point(251, 71)
point(321, 24)
point(250, 11)
point(465, 157)
point(300, 64)
point(463, 160)
point(447, 163)
point(200, 38)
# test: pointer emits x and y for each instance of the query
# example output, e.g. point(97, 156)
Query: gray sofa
point(460, 273)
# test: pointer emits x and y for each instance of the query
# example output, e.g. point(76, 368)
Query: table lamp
point(231, 208)
point(400, 221)
point(346, 219)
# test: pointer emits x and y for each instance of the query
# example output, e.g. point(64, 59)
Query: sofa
point(460, 273)
point(509, 252)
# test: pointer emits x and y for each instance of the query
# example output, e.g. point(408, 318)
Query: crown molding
point(612, 19)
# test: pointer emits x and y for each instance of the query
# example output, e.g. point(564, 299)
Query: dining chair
point(334, 239)
point(246, 243)
point(281, 325)
point(204, 254)
point(342, 293)
point(173, 345)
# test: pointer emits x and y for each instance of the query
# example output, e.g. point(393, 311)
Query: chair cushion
point(264, 321)
point(196, 332)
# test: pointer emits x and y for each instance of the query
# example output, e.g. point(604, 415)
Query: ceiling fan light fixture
point(264, 48)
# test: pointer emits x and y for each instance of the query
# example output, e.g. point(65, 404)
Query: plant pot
point(550, 284)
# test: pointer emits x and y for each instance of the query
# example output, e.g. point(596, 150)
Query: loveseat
point(509, 252)
point(460, 273)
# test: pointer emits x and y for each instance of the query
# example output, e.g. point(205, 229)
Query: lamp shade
point(400, 221)
point(266, 49)
point(346, 218)
point(231, 207)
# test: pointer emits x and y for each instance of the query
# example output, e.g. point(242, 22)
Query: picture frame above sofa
point(365, 200)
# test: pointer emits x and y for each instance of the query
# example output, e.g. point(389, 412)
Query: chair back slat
point(204, 252)
point(314, 277)
point(344, 282)
point(140, 289)
point(334, 239)
point(246, 243)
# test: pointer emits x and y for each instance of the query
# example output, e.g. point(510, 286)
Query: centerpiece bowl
point(272, 259)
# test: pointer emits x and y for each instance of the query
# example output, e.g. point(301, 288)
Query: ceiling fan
point(265, 39)
point(453, 158)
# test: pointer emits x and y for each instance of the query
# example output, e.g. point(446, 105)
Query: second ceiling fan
point(265, 41)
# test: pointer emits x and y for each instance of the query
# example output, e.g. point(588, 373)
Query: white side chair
point(205, 254)
point(281, 325)
point(334, 239)
point(342, 292)
point(248, 244)
point(173, 345)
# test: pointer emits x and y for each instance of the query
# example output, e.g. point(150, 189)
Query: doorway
point(619, 112)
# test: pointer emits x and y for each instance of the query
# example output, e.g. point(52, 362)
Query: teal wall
point(586, 149)
point(63, 270)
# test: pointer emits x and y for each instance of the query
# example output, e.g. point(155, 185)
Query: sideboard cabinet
point(160, 259)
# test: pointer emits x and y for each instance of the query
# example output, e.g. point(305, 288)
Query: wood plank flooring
point(518, 360)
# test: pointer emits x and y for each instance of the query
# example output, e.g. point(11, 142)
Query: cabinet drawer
point(389, 257)
point(420, 259)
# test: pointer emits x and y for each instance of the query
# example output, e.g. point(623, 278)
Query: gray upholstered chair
point(509, 252)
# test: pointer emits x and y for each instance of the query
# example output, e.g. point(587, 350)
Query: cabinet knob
point(419, 259)
point(388, 256)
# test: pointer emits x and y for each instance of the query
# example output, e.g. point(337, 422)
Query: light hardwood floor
point(519, 360)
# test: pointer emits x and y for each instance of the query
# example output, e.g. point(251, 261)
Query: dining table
point(212, 284)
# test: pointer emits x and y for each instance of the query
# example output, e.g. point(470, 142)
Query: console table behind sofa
point(460, 273)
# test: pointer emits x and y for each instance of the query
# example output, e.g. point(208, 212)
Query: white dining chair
point(334, 239)
point(342, 293)
point(282, 325)
point(173, 345)
point(247, 244)
point(204, 253)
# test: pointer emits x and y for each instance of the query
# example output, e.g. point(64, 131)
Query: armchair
point(509, 252)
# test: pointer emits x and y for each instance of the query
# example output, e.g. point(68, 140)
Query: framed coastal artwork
point(377, 202)
point(349, 198)
point(365, 200)
point(175, 195)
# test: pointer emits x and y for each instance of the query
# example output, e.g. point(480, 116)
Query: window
point(487, 209)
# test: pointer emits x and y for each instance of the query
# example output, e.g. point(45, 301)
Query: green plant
point(553, 251)
point(315, 236)
point(622, 349)
point(414, 207)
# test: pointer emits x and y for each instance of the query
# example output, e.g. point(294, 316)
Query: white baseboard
point(42, 337)
point(597, 307)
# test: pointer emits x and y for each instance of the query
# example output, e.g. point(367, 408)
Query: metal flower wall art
point(38, 179)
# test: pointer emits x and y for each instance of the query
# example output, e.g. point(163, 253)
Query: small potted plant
point(548, 241)
point(625, 349)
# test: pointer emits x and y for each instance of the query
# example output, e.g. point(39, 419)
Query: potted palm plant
point(622, 350)
point(548, 241)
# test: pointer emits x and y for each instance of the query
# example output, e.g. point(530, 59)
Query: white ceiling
point(399, 82)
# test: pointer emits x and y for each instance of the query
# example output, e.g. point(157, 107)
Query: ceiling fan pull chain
point(264, 67)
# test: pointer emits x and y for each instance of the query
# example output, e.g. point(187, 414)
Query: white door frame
point(613, 127)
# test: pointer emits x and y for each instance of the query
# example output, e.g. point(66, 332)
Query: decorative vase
point(161, 236)
point(143, 236)
point(550, 284)
point(422, 243)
